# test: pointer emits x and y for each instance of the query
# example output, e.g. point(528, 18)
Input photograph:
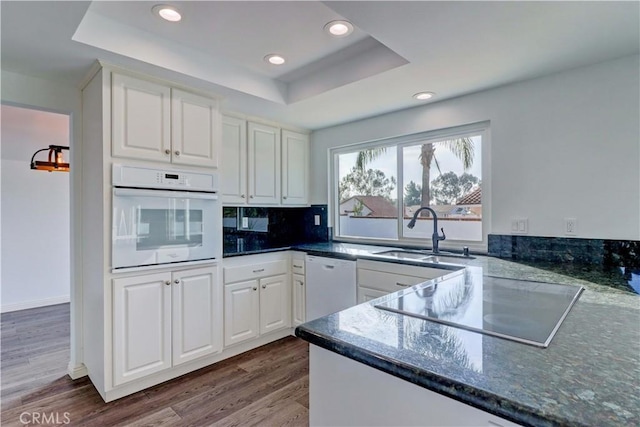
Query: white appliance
point(331, 285)
point(163, 216)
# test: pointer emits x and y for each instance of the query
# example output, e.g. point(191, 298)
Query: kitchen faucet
point(435, 238)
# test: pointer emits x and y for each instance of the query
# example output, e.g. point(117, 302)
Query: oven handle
point(135, 192)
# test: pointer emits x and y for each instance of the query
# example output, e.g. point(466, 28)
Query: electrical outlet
point(245, 222)
point(316, 219)
point(519, 225)
point(570, 226)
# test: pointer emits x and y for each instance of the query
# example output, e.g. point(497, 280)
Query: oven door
point(158, 227)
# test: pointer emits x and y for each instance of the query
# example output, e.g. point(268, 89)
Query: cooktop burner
point(519, 310)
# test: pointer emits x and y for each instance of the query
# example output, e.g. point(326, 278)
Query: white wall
point(35, 212)
point(565, 145)
point(40, 93)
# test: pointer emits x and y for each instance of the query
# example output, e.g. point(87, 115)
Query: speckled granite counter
point(588, 376)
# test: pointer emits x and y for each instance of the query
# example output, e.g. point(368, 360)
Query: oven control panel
point(141, 177)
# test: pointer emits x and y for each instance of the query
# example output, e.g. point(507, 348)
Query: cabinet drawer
point(297, 266)
point(388, 282)
point(253, 271)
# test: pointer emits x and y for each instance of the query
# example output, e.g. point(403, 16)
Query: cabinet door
point(197, 314)
point(367, 294)
point(140, 119)
point(275, 303)
point(195, 132)
point(264, 164)
point(298, 299)
point(241, 312)
point(141, 326)
point(234, 165)
point(295, 168)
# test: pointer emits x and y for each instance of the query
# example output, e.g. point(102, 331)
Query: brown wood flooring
point(268, 386)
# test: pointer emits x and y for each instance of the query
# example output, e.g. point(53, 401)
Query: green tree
point(449, 187)
point(370, 182)
point(462, 148)
point(412, 194)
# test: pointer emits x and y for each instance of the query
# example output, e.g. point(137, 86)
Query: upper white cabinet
point(263, 144)
point(234, 165)
point(154, 122)
point(263, 164)
point(295, 169)
point(140, 119)
point(195, 129)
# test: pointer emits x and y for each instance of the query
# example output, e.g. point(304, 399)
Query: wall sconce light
point(55, 163)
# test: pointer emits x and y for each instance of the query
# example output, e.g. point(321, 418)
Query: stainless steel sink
point(399, 254)
point(422, 256)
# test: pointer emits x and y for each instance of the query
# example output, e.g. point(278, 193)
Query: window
point(378, 187)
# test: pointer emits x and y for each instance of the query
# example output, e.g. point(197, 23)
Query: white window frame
point(481, 128)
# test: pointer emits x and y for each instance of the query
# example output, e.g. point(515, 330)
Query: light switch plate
point(245, 222)
point(520, 225)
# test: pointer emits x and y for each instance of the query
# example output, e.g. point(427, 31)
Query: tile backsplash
point(566, 250)
point(276, 226)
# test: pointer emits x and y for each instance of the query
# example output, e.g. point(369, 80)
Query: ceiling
point(397, 48)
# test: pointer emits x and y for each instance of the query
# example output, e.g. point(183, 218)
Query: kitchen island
point(588, 376)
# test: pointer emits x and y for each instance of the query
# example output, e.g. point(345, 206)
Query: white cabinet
point(263, 164)
point(257, 298)
point(195, 129)
point(154, 122)
point(234, 165)
point(263, 145)
point(376, 279)
point(164, 319)
point(299, 292)
point(241, 312)
point(140, 119)
point(295, 170)
point(141, 326)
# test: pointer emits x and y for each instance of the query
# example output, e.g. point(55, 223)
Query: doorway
point(35, 212)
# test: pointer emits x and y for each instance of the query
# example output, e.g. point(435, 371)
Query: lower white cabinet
point(299, 297)
point(256, 307)
point(376, 279)
point(164, 319)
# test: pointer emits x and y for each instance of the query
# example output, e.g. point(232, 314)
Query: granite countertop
point(588, 376)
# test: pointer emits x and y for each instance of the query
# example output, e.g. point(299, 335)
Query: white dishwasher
point(331, 285)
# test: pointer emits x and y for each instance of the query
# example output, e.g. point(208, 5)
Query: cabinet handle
point(285, 197)
point(402, 284)
point(177, 153)
point(264, 286)
point(177, 281)
point(297, 266)
point(251, 197)
point(242, 196)
point(255, 288)
point(167, 282)
point(260, 270)
point(167, 151)
point(301, 282)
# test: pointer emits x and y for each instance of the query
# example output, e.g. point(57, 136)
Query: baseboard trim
point(6, 308)
point(76, 372)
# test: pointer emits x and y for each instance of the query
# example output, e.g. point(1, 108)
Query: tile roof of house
point(473, 198)
point(379, 206)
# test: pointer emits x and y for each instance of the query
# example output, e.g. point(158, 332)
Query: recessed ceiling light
point(274, 59)
point(423, 96)
point(167, 12)
point(339, 28)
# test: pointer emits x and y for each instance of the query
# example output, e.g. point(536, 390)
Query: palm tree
point(462, 148)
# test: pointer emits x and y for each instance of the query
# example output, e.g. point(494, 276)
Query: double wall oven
point(163, 216)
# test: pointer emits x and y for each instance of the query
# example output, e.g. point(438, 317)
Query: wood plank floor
point(268, 386)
